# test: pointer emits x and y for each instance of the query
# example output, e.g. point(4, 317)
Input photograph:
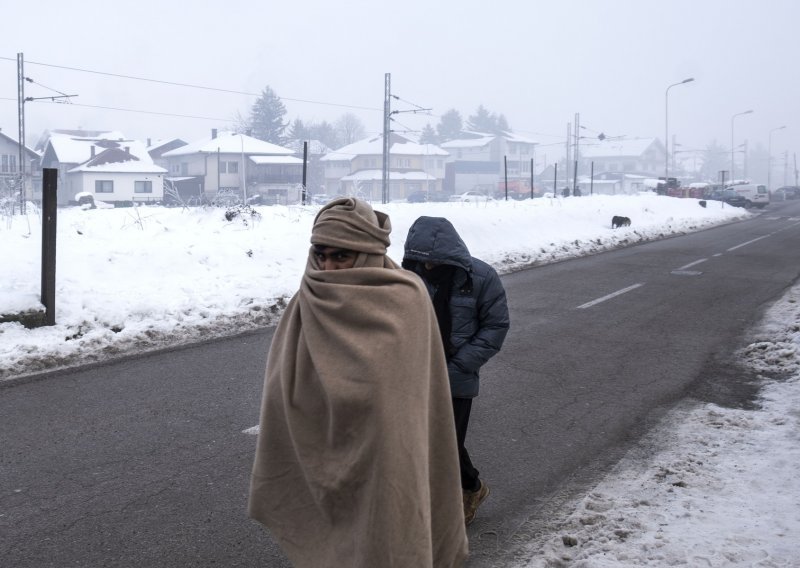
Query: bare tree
point(349, 129)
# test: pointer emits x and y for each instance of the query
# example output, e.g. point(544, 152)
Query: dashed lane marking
point(691, 264)
point(747, 243)
point(609, 296)
point(252, 431)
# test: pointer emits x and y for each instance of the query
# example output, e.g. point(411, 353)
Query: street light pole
point(666, 129)
point(733, 172)
point(769, 157)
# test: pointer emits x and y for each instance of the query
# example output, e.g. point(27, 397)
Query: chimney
point(92, 150)
point(127, 149)
point(149, 143)
point(213, 133)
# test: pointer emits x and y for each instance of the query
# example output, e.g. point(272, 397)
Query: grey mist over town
point(541, 66)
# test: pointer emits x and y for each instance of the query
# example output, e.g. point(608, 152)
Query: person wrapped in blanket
point(356, 462)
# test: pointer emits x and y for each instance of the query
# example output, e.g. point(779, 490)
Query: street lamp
point(769, 157)
point(666, 129)
point(733, 176)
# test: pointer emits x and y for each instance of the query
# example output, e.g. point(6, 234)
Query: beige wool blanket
point(356, 462)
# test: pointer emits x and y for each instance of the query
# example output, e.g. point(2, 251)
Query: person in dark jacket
point(470, 304)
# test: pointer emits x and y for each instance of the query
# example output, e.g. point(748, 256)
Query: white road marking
point(252, 431)
point(686, 272)
point(718, 254)
point(609, 296)
point(747, 243)
point(692, 264)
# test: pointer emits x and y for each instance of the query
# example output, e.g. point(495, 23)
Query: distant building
point(10, 168)
point(357, 169)
point(109, 166)
point(479, 161)
point(236, 164)
point(640, 156)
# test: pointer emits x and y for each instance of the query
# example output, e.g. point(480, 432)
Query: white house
point(237, 164)
point(642, 156)
point(107, 165)
point(357, 169)
point(478, 160)
point(10, 169)
point(117, 176)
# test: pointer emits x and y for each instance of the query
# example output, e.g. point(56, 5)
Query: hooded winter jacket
point(477, 304)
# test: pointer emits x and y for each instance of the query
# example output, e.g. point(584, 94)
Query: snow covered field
point(135, 279)
point(720, 490)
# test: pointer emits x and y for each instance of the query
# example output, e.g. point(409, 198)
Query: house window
point(9, 164)
point(229, 167)
point(104, 186)
point(143, 187)
point(184, 168)
point(403, 162)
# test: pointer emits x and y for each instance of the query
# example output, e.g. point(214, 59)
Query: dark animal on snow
point(618, 221)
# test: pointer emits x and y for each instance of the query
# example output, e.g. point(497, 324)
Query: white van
point(755, 194)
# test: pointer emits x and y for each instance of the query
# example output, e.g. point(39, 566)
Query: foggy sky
point(536, 62)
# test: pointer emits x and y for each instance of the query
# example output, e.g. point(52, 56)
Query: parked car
point(320, 198)
point(787, 192)
point(471, 196)
point(728, 196)
point(417, 197)
point(755, 195)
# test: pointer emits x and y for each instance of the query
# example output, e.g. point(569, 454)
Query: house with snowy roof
point(229, 163)
point(10, 168)
point(157, 148)
point(357, 169)
point(638, 156)
point(478, 161)
point(109, 166)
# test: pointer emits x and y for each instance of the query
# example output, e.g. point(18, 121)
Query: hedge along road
point(145, 461)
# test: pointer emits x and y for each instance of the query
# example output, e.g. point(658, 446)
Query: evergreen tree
point(450, 126)
point(428, 135)
point(482, 120)
point(298, 131)
point(485, 121)
point(266, 117)
point(502, 125)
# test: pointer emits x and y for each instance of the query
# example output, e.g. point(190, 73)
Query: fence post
point(49, 214)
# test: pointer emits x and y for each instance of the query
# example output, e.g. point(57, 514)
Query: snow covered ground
point(720, 491)
point(135, 279)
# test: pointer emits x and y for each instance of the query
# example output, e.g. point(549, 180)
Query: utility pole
point(387, 131)
point(387, 94)
point(569, 153)
point(21, 120)
point(577, 153)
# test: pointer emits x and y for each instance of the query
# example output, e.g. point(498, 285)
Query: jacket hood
point(434, 239)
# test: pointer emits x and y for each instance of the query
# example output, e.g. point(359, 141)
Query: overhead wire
point(186, 85)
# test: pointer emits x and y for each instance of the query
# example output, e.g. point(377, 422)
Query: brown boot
point(472, 499)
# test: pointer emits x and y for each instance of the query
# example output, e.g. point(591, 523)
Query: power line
point(187, 85)
point(139, 111)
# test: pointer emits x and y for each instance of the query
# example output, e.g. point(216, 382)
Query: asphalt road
point(144, 462)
